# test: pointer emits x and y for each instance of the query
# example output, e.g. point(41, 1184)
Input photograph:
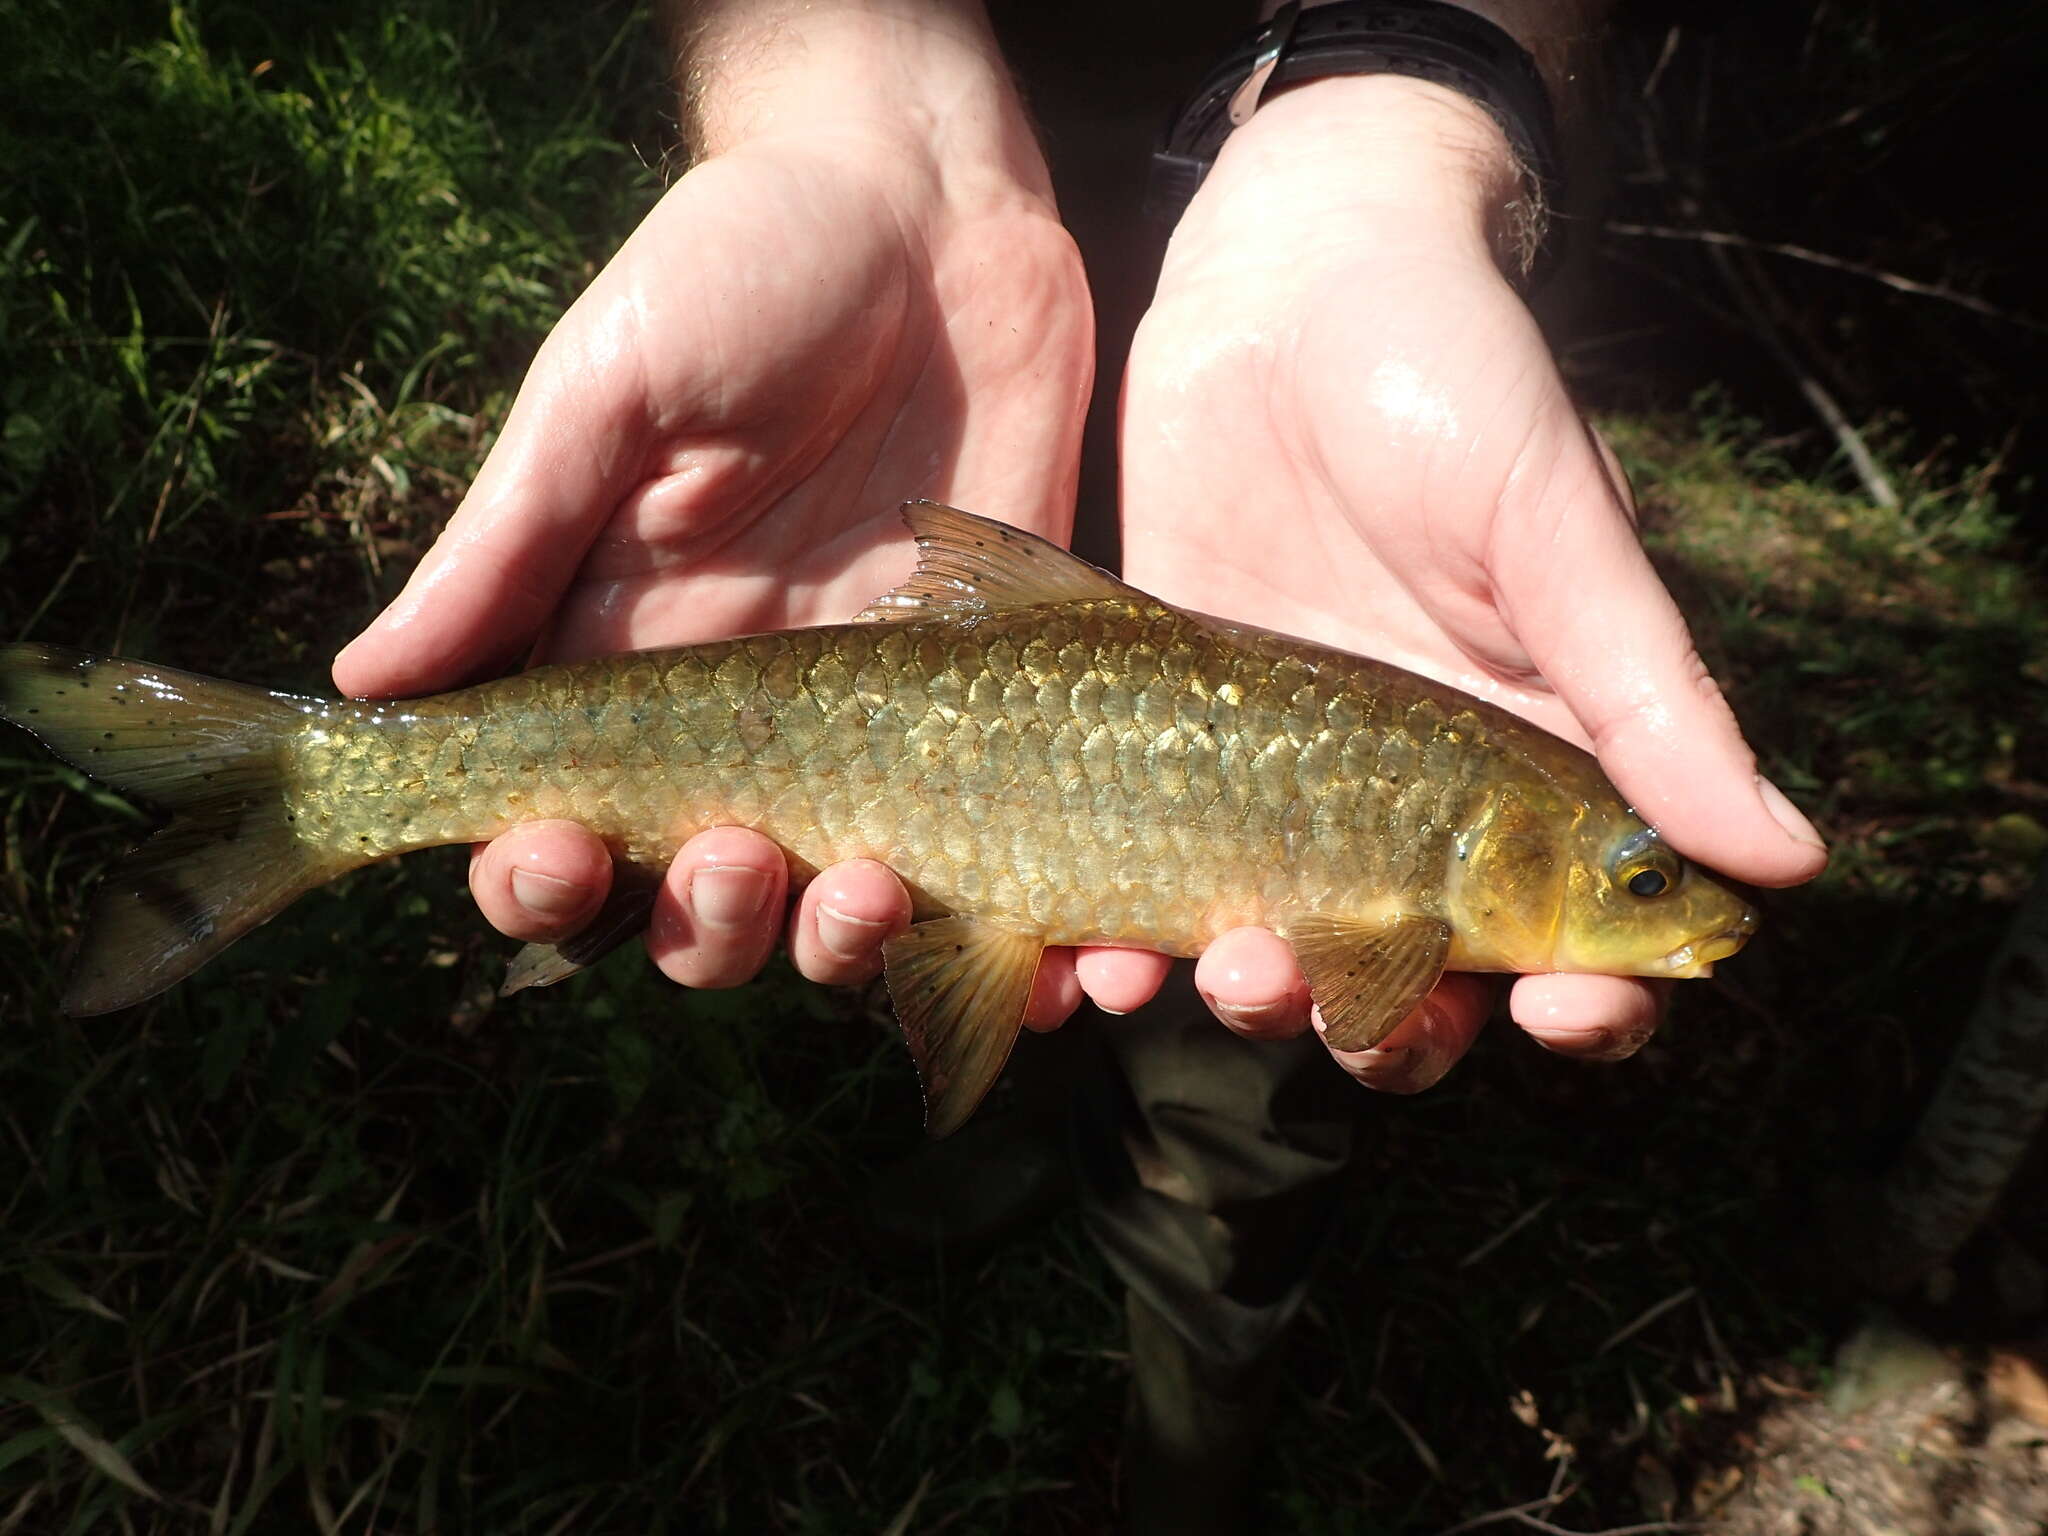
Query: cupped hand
point(716, 439)
point(1341, 422)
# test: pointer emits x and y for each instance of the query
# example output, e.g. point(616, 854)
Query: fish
point(1044, 755)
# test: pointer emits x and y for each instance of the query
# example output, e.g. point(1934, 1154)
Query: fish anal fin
point(623, 916)
point(1367, 975)
point(960, 986)
point(972, 565)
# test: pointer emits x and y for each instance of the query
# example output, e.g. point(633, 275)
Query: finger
point(541, 881)
point(1575, 586)
point(1250, 981)
point(1595, 1018)
point(1120, 980)
point(1429, 1042)
point(1055, 992)
point(844, 918)
point(719, 910)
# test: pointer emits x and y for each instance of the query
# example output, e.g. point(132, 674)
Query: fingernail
point(1401, 1068)
point(849, 937)
point(1621, 1044)
point(1598, 1044)
point(1590, 1044)
point(727, 897)
point(1247, 1015)
point(1786, 814)
point(546, 894)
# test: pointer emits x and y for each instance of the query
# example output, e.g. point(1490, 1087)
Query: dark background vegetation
point(325, 1240)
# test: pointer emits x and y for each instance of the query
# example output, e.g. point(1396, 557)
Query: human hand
point(862, 294)
point(1341, 422)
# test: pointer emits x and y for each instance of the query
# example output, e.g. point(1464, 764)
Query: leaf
point(79, 1434)
point(1005, 1411)
point(61, 1288)
point(667, 1218)
point(628, 1064)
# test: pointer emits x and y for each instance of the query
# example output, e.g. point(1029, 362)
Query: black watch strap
point(1421, 38)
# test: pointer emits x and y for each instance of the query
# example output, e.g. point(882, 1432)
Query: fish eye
point(1645, 867)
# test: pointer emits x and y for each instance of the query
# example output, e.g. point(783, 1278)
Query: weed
point(325, 1238)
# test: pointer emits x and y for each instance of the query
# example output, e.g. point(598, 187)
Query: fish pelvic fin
point(209, 753)
point(623, 916)
point(1367, 976)
point(970, 565)
point(960, 985)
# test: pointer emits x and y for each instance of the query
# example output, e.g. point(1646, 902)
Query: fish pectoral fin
point(969, 565)
point(960, 986)
point(1365, 976)
point(623, 916)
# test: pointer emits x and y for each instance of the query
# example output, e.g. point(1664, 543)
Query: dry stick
point(1416, 1443)
point(1516, 1512)
point(1875, 481)
point(1525, 1514)
point(1747, 298)
point(1506, 1232)
point(1648, 1526)
point(1948, 295)
point(1629, 1331)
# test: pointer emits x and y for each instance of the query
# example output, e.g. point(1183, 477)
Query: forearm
point(924, 73)
point(1363, 150)
point(1562, 36)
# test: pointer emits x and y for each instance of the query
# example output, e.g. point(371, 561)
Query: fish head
point(1549, 880)
point(1635, 907)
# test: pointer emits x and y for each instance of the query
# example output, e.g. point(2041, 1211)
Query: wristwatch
point(1420, 38)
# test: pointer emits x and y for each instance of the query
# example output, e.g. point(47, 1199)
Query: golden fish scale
point(1099, 771)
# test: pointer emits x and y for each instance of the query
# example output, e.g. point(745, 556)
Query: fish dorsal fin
point(969, 565)
point(1365, 976)
point(960, 985)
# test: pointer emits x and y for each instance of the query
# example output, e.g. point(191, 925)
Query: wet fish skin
point(1043, 754)
point(1104, 772)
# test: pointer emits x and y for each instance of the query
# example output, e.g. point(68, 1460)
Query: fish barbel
point(1043, 754)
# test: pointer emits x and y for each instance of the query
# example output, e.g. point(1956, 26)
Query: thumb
point(1587, 605)
point(572, 448)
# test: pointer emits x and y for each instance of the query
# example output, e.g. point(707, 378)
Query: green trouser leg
point(1207, 1169)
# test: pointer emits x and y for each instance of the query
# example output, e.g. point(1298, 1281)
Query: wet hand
point(863, 294)
point(1341, 422)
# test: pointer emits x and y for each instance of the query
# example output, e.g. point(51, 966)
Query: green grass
point(325, 1240)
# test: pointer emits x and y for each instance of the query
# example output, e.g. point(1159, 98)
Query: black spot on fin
point(960, 986)
point(972, 565)
point(204, 750)
point(1367, 976)
point(623, 915)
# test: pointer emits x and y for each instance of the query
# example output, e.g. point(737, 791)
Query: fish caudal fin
point(960, 986)
point(209, 753)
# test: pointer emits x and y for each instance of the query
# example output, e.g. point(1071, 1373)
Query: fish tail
point(208, 752)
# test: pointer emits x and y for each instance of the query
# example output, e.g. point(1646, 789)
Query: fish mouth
point(1697, 958)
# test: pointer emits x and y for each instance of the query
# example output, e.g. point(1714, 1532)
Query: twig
point(1506, 1232)
point(1613, 1530)
point(1967, 301)
point(1516, 1512)
point(1649, 1317)
point(1745, 292)
point(1420, 1446)
point(1664, 58)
